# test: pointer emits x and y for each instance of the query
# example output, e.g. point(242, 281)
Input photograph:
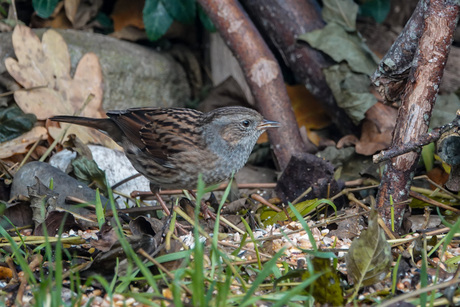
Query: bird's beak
point(265, 124)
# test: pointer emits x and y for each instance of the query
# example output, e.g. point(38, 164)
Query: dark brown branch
point(262, 73)
point(283, 22)
point(423, 140)
point(391, 76)
point(440, 20)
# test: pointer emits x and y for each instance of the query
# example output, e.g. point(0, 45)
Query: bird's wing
point(160, 132)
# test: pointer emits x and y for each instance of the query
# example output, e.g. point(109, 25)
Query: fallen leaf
point(308, 111)
point(342, 13)
point(19, 145)
point(143, 225)
point(107, 236)
point(54, 221)
point(348, 228)
point(71, 7)
point(304, 171)
point(326, 288)
point(377, 129)
point(347, 140)
point(19, 215)
point(351, 90)
point(227, 93)
point(87, 171)
point(46, 64)
point(5, 273)
point(127, 13)
point(438, 175)
point(369, 258)
point(43, 200)
point(81, 13)
point(130, 33)
point(13, 122)
point(343, 46)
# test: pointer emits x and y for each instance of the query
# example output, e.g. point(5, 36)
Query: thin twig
point(406, 296)
point(433, 202)
point(224, 186)
point(302, 195)
point(6, 170)
point(263, 201)
point(116, 185)
point(422, 140)
point(449, 194)
point(29, 153)
point(387, 231)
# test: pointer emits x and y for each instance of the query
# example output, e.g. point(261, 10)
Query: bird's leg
point(204, 208)
point(156, 192)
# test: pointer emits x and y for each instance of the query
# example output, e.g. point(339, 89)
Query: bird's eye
point(245, 123)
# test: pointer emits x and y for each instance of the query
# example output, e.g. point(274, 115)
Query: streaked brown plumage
point(171, 146)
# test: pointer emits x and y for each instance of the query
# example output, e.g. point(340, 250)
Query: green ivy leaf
point(181, 10)
point(88, 172)
point(44, 8)
point(377, 9)
point(205, 20)
point(104, 21)
point(156, 19)
point(14, 122)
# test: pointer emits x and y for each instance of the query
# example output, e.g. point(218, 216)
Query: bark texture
point(393, 71)
point(440, 20)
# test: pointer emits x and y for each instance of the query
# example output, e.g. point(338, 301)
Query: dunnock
point(171, 146)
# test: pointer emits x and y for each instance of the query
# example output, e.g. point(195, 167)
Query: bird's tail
point(105, 125)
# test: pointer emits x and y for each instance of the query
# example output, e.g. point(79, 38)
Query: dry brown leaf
point(347, 140)
point(71, 7)
point(83, 12)
point(308, 111)
point(5, 273)
point(47, 64)
point(19, 145)
point(130, 33)
point(438, 175)
point(377, 129)
point(127, 13)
